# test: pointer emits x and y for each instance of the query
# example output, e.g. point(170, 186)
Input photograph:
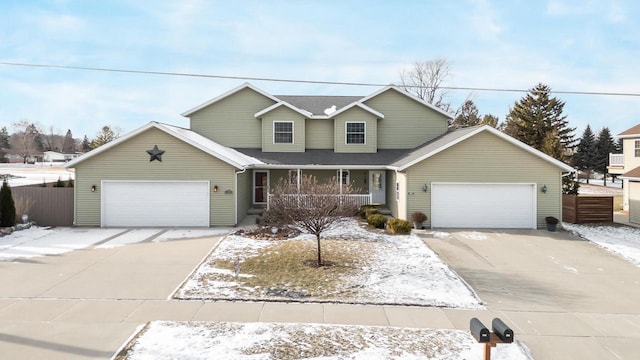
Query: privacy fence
point(47, 206)
point(587, 209)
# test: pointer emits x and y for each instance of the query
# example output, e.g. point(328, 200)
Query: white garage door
point(483, 206)
point(155, 203)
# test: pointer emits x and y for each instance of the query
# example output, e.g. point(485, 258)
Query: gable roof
point(457, 136)
point(633, 175)
point(285, 104)
point(633, 132)
point(227, 94)
point(316, 105)
point(228, 155)
point(410, 96)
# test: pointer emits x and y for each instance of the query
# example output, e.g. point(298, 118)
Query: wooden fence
point(587, 209)
point(47, 206)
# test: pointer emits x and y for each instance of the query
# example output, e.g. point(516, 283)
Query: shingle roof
point(317, 104)
point(326, 157)
point(633, 174)
point(633, 131)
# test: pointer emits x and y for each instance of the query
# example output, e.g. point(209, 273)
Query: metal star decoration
point(156, 154)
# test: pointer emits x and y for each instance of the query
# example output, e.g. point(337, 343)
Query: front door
point(377, 186)
point(260, 186)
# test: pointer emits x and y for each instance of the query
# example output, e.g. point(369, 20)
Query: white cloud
point(484, 20)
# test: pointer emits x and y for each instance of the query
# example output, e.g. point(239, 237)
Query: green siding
point(231, 121)
point(319, 134)
point(286, 115)
point(130, 161)
point(406, 122)
point(371, 131)
point(485, 158)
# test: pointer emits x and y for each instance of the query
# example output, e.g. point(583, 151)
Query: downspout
point(235, 193)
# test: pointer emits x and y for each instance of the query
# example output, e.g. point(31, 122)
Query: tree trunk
point(319, 250)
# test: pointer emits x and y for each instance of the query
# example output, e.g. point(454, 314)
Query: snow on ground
point(219, 340)
point(621, 240)
point(403, 271)
point(43, 241)
point(35, 174)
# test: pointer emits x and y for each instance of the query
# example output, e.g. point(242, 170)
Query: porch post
point(340, 180)
point(298, 179)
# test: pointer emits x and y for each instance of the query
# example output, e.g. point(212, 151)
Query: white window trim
point(355, 122)
point(293, 137)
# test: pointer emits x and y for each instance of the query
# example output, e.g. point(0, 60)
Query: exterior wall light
point(215, 188)
point(425, 188)
point(93, 188)
point(544, 188)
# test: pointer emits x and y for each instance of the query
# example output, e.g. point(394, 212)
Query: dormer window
point(355, 133)
point(283, 132)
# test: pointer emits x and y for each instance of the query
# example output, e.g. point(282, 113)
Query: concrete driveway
point(567, 298)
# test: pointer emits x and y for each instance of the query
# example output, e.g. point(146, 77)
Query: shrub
point(363, 210)
point(418, 217)
point(7, 206)
point(399, 226)
point(370, 212)
point(70, 182)
point(58, 183)
point(377, 220)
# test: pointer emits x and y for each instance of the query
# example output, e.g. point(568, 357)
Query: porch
point(616, 164)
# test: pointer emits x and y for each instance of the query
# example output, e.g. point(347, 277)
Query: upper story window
point(355, 132)
point(637, 148)
point(283, 132)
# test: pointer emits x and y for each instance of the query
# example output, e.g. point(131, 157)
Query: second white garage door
point(483, 206)
point(155, 203)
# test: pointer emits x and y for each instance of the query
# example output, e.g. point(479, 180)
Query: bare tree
point(425, 80)
point(310, 205)
point(24, 140)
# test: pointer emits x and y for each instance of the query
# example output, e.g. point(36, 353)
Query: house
point(54, 156)
point(393, 146)
point(627, 165)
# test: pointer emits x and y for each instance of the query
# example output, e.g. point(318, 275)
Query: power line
point(249, 78)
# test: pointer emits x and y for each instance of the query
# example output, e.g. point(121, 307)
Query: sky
point(569, 45)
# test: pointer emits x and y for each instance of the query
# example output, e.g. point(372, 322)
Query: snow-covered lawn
point(43, 241)
point(386, 269)
point(621, 240)
point(35, 174)
point(219, 340)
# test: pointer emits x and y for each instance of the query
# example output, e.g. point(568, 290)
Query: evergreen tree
point(585, 158)
point(7, 206)
point(68, 143)
point(552, 146)
point(569, 185)
point(533, 117)
point(4, 138)
point(605, 145)
point(86, 144)
point(490, 120)
point(105, 135)
point(467, 115)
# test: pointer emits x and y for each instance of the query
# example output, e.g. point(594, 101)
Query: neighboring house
point(17, 158)
point(54, 156)
point(627, 165)
point(390, 144)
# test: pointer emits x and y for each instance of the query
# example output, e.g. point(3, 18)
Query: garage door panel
point(148, 203)
point(483, 205)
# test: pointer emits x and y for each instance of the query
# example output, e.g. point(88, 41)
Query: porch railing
point(616, 160)
point(308, 200)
